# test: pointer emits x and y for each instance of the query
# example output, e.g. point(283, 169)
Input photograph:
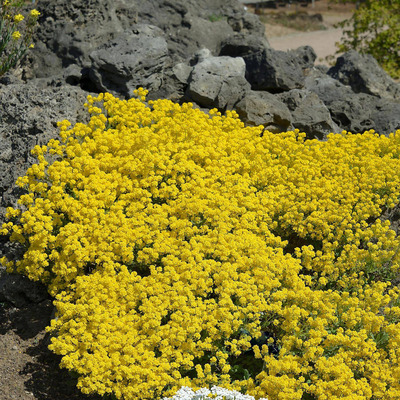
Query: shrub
point(374, 29)
point(18, 30)
point(185, 249)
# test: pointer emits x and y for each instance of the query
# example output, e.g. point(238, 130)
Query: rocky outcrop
point(70, 30)
point(29, 115)
point(364, 75)
point(239, 45)
point(354, 112)
point(218, 82)
point(133, 59)
point(263, 108)
point(19, 290)
point(305, 56)
point(309, 113)
point(273, 71)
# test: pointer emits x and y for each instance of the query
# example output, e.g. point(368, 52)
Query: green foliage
point(15, 33)
point(374, 29)
point(216, 17)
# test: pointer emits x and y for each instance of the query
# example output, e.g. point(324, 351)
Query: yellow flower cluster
point(16, 35)
point(185, 249)
point(18, 18)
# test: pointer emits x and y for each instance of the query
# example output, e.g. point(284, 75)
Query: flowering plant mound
point(185, 249)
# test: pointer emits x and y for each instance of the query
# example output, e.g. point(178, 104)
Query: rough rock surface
point(354, 112)
point(70, 30)
point(364, 75)
point(239, 44)
point(309, 113)
point(305, 56)
point(29, 117)
point(218, 82)
point(263, 108)
point(132, 59)
point(19, 290)
point(273, 71)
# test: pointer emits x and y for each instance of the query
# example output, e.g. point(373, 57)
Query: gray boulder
point(133, 59)
point(239, 45)
point(263, 108)
point(354, 112)
point(274, 71)
point(346, 107)
point(305, 56)
point(199, 56)
point(385, 115)
point(309, 113)
point(174, 85)
point(204, 33)
point(364, 75)
point(218, 82)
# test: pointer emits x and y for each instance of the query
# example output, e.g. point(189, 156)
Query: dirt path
point(323, 42)
point(287, 36)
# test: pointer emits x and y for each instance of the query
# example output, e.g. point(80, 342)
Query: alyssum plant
point(185, 249)
point(15, 33)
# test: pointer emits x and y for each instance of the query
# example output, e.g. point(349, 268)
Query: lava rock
point(305, 55)
point(273, 71)
point(354, 112)
point(133, 59)
point(218, 82)
point(19, 290)
point(309, 113)
point(263, 108)
point(70, 30)
point(385, 115)
point(239, 45)
point(364, 75)
point(29, 117)
point(204, 33)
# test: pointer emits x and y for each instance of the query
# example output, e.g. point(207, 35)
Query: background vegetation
point(374, 29)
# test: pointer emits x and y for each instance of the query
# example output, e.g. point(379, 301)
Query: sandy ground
point(323, 42)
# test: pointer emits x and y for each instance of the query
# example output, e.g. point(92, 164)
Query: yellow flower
point(16, 35)
point(35, 13)
point(18, 18)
